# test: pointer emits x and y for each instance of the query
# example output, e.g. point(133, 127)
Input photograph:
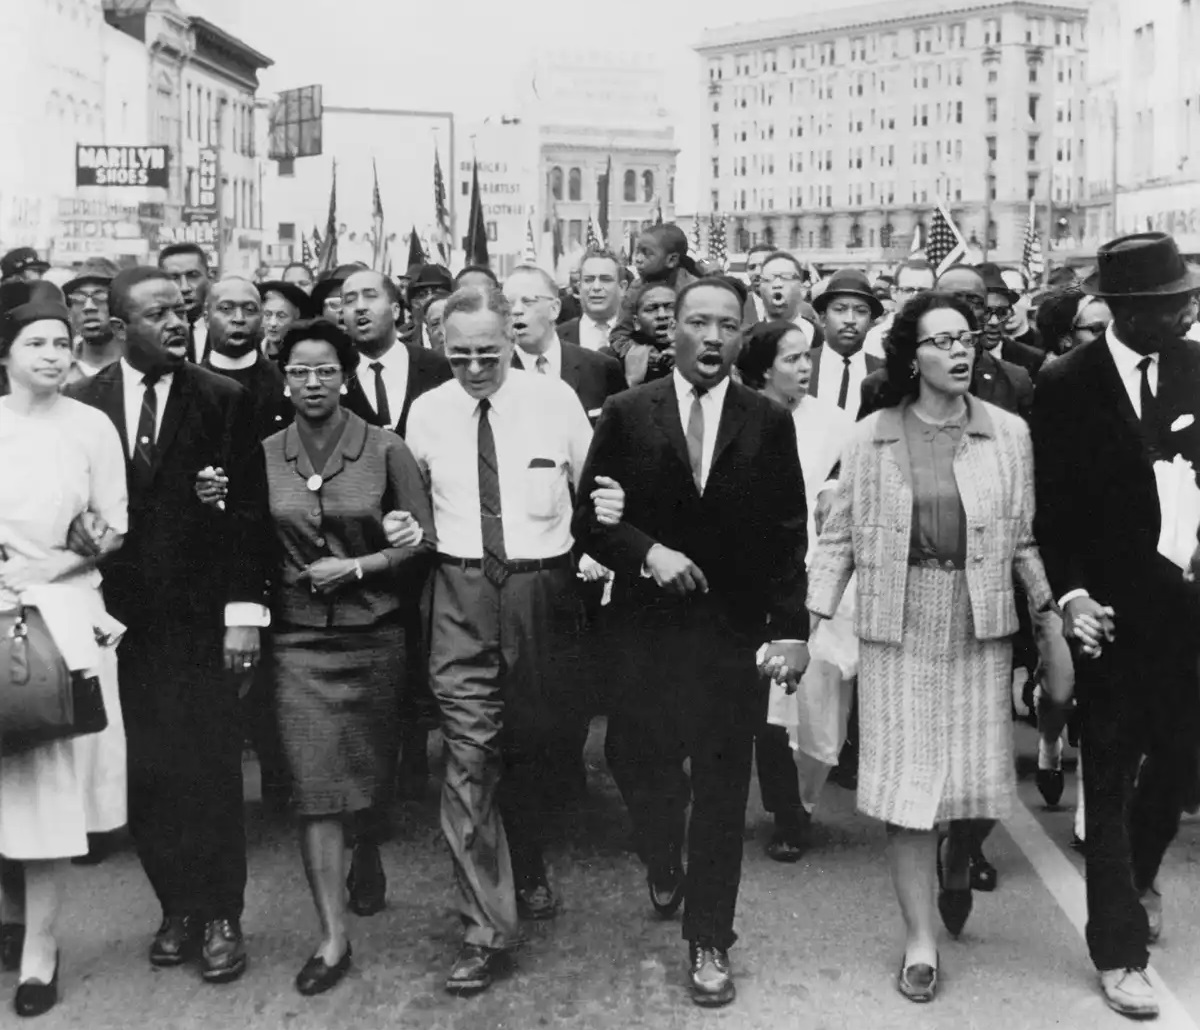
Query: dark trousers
point(1138, 717)
point(778, 777)
point(691, 691)
point(184, 735)
point(494, 654)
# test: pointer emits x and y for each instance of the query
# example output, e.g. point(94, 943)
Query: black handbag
point(40, 698)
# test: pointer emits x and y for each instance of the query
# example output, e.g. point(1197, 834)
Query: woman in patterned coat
point(934, 511)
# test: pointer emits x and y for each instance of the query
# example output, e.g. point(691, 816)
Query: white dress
point(53, 466)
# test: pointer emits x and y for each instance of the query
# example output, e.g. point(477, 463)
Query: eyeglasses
point(324, 373)
point(486, 360)
point(1001, 314)
point(781, 277)
point(528, 302)
point(97, 297)
point(1095, 328)
point(944, 341)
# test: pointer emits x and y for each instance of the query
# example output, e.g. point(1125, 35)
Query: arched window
point(826, 236)
point(574, 185)
point(856, 236)
point(630, 188)
point(647, 186)
point(556, 183)
point(885, 235)
point(769, 235)
point(671, 190)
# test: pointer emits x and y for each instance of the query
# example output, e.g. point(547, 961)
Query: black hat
point(300, 300)
point(1147, 264)
point(428, 277)
point(20, 260)
point(22, 303)
point(850, 281)
point(94, 270)
point(993, 281)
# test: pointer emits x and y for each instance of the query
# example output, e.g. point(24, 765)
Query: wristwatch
point(358, 569)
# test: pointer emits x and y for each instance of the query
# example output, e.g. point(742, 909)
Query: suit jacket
point(568, 331)
point(999, 383)
point(870, 524)
point(593, 376)
point(1029, 358)
point(183, 561)
point(1098, 517)
point(425, 371)
point(746, 532)
point(265, 384)
point(817, 353)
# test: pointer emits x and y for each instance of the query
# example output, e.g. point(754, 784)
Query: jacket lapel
point(1114, 394)
point(109, 385)
point(666, 417)
point(733, 417)
point(571, 370)
point(179, 399)
point(889, 436)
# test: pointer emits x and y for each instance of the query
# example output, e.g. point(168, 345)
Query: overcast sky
point(467, 55)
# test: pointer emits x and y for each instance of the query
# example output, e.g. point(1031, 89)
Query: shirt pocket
point(545, 490)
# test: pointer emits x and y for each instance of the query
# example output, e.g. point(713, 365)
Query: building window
point(287, 169)
point(993, 75)
point(716, 168)
point(991, 109)
point(574, 184)
point(210, 122)
point(556, 182)
point(826, 236)
point(991, 148)
point(1033, 108)
point(1031, 186)
point(1033, 148)
point(716, 200)
point(885, 235)
point(189, 111)
point(716, 133)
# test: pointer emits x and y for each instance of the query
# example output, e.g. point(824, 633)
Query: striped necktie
point(495, 557)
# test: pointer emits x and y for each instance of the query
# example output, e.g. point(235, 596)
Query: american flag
point(945, 245)
point(306, 252)
point(595, 241)
point(717, 252)
point(1031, 254)
point(916, 248)
point(530, 255)
point(328, 259)
point(441, 214)
point(695, 234)
point(629, 244)
point(379, 259)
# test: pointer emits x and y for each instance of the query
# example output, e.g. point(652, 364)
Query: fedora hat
point(852, 282)
point(94, 270)
point(1147, 264)
point(292, 293)
point(993, 281)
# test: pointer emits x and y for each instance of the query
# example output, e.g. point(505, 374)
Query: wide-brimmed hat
point(19, 260)
point(94, 270)
point(428, 277)
point(1146, 264)
point(851, 281)
point(300, 300)
point(22, 303)
point(993, 281)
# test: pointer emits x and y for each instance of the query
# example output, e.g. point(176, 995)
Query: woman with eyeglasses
point(337, 613)
point(934, 511)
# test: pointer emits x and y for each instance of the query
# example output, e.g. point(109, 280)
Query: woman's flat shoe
point(34, 998)
point(317, 976)
point(12, 943)
point(954, 906)
point(983, 874)
point(917, 982)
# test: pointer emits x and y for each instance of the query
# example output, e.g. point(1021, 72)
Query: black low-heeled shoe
point(34, 998)
point(317, 976)
point(983, 874)
point(12, 943)
point(954, 906)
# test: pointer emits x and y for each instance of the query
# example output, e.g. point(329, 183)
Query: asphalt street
point(819, 949)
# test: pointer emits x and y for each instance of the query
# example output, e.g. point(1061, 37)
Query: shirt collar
point(683, 389)
point(391, 358)
point(132, 375)
point(1125, 357)
point(219, 360)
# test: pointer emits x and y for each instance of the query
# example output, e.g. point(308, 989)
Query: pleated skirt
point(935, 719)
point(335, 695)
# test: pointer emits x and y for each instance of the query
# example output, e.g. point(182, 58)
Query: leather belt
point(515, 566)
point(945, 564)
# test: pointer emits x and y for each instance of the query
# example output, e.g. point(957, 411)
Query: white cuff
point(247, 613)
point(829, 484)
point(1070, 595)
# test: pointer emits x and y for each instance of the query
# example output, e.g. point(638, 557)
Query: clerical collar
point(222, 361)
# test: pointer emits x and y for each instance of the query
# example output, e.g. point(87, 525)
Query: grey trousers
point(501, 669)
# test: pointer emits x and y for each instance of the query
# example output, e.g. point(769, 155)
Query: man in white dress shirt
point(847, 307)
point(600, 293)
point(501, 450)
point(187, 264)
point(913, 277)
point(781, 289)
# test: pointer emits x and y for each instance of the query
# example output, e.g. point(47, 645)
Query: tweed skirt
point(935, 720)
point(335, 696)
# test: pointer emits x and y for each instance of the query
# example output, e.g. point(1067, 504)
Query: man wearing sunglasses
point(1000, 304)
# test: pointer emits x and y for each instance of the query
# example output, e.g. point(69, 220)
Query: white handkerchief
point(1179, 505)
point(1182, 422)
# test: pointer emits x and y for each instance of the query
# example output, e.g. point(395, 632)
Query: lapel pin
point(314, 483)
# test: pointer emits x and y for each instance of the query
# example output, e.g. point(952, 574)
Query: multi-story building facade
point(837, 133)
point(1143, 122)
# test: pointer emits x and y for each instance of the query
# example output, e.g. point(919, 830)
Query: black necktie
point(144, 444)
point(844, 392)
point(1149, 401)
point(695, 440)
point(381, 397)
point(495, 557)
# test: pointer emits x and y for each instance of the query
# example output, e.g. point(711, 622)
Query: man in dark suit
point(1103, 414)
point(600, 292)
point(189, 585)
point(711, 555)
point(997, 340)
point(847, 310)
point(187, 264)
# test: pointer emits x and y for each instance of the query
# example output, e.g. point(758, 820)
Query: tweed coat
point(870, 524)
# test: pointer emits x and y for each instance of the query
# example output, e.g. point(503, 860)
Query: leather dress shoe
point(317, 977)
point(983, 873)
point(1050, 785)
point(12, 943)
point(366, 882)
point(665, 883)
point(34, 998)
point(1129, 992)
point(918, 982)
point(474, 969)
point(223, 957)
point(536, 902)
point(954, 905)
point(710, 977)
point(174, 942)
point(790, 840)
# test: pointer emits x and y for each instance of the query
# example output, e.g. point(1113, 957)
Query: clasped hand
point(327, 575)
point(785, 662)
point(1090, 623)
point(212, 487)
